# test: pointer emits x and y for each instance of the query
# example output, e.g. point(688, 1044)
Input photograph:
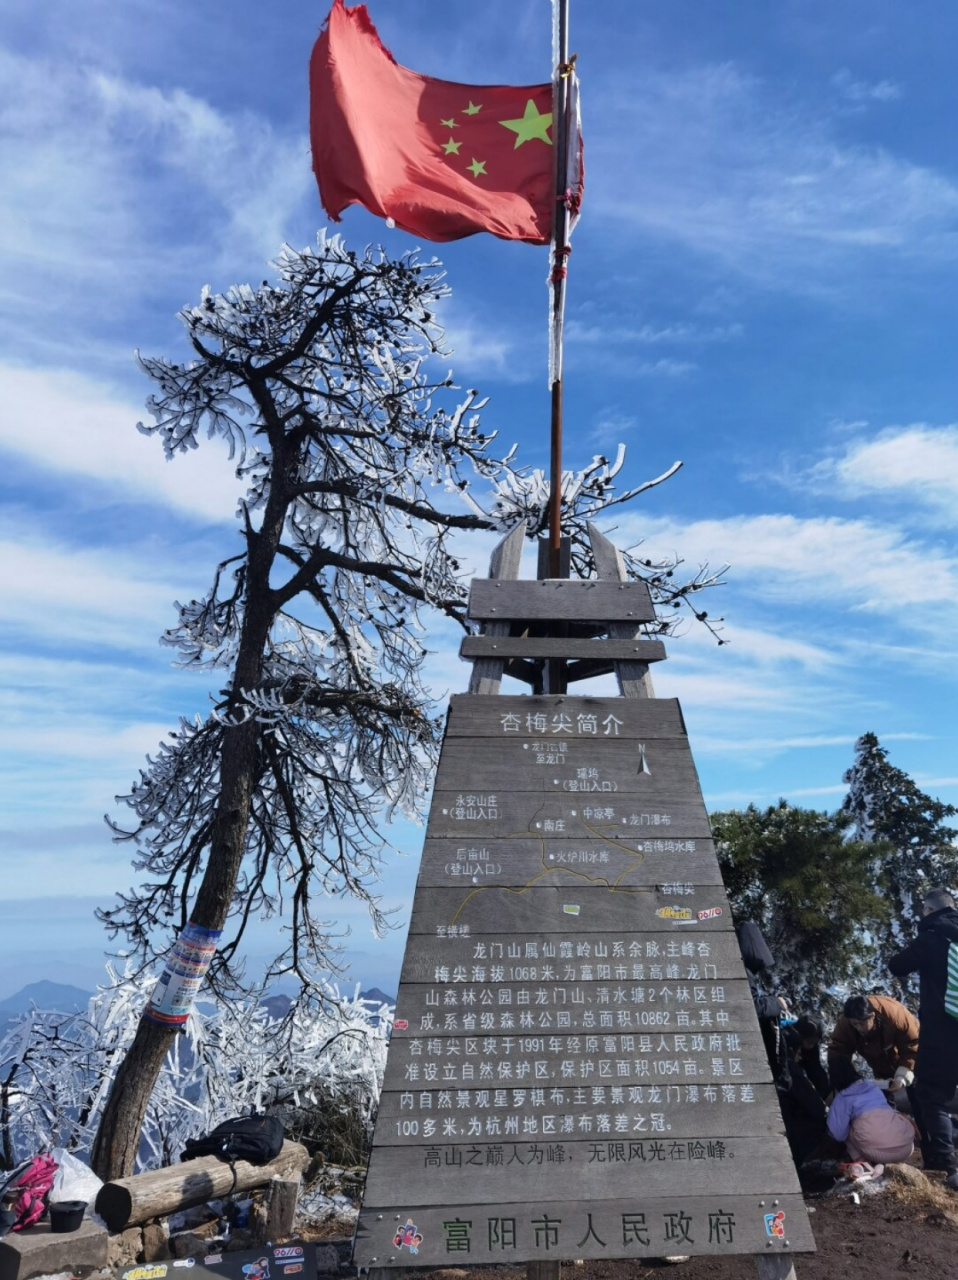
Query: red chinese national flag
point(441, 160)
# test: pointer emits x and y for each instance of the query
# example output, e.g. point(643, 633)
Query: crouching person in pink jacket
point(861, 1117)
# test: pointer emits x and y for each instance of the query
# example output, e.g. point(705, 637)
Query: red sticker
point(401, 1024)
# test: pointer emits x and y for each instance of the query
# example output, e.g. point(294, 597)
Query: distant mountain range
point(278, 1005)
point(60, 997)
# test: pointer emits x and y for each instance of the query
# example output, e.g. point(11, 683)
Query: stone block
point(156, 1242)
point(38, 1252)
point(189, 1244)
point(241, 1238)
point(125, 1247)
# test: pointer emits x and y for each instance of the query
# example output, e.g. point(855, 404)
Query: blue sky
point(764, 284)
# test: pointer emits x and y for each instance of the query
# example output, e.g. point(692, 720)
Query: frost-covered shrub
point(321, 1068)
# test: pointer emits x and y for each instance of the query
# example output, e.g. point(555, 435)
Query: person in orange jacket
point(884, 1033)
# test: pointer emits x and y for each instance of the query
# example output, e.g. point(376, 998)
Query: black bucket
point(66, 1215)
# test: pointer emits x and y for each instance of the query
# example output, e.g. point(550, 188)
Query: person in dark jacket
point(799, 1098)
point(758, 960)
point(802, 1094)
point(936, 1068)
point(803, 1039)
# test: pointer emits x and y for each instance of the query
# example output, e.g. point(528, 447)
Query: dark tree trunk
point(118, 1135)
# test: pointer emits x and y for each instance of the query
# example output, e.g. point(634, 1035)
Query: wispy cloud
point(811, 742)
point(857, 565)
point(70, 423)
point(918, 463)
point(861, 92)
point(664, 368)
point(725, 164)
point(682, 334)
point(95, 173)
point(478, 350)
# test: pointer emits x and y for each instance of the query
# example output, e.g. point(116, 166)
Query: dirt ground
point(902, 1230)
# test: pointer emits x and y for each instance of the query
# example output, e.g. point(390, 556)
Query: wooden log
point(281, 1212)
point(129, 1201)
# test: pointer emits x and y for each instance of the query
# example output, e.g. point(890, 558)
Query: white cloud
point(476, 350)
point(726, 165)
point(762, 798)
point(854, 564)
point(95, 175)
point(64, 421)
point(612, 426)
point(488, 348)
point(917, 462)
point(81, 597)
point(808, 742)
point(650, 335)
point(767, 648)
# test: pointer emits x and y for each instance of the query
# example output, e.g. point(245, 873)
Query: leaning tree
point(319, 382)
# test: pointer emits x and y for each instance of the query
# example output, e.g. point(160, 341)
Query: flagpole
point(560, 253)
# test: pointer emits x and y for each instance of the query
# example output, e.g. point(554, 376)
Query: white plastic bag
point(74, 1180)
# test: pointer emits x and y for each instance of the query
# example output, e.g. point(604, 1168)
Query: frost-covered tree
point(320, 385)
point(808, 886)
point(914, 850)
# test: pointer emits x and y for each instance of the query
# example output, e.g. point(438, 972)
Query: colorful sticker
point(289, 1251)
point(710, 913)
point(185, 970)
point(775, 1224)
point(408, 1237)
point(674, 913)
point(258, 1270)
point(401, 1025)
point(571, 908)
point(291, 1270)
point(146, 1273)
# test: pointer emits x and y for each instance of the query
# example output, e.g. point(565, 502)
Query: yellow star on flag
point(532, 124)
point(477, 167)
point(451, 147)
point(472, 109)
point(449, 124)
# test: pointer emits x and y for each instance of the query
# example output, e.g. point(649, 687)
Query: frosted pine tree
point(914, 849)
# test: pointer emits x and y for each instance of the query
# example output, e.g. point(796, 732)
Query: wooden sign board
point(557, 599)
point(576, 1068)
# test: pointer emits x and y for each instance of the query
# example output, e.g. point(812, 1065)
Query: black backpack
point(257, 1139)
